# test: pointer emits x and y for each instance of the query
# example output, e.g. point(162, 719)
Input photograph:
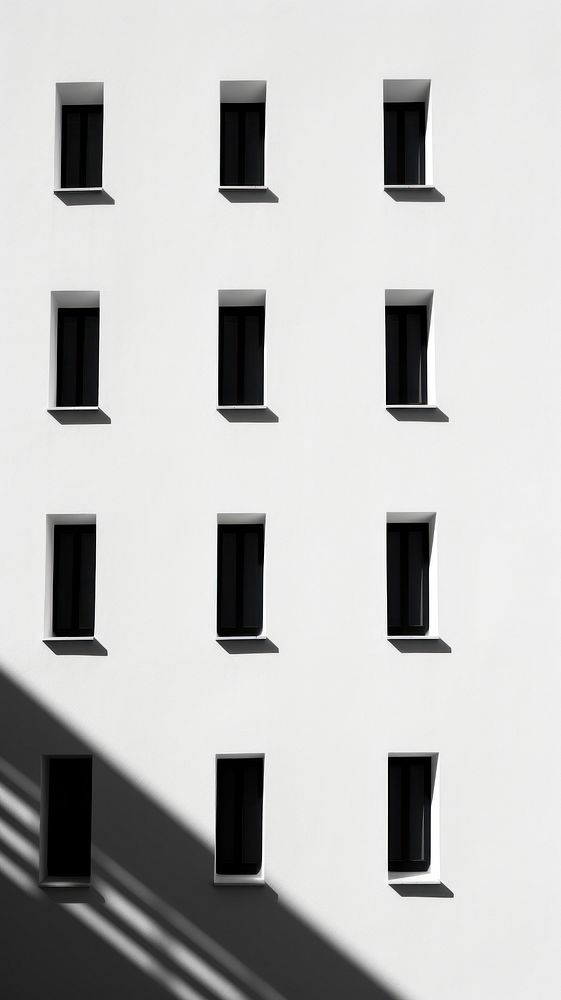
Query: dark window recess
point(77, 371)
point(409, 803)
point(240, 579)
point(408, 579)
point(404, 143)
point(242, 144)
point(241, 353)
point(81, 145)
point(239, 815)
point(69, 817)
point(74, 579)
point(406, 355)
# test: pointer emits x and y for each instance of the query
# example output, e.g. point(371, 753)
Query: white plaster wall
point(338, 697)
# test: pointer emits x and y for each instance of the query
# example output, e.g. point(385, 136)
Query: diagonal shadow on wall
point(152, 926)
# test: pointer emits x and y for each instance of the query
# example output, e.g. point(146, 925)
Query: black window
point(81, 145)
point(77, 374)
point(74, 579)
point(239, 815)
point(242, 144)
point(240, 579)
point(241, 353)
point(404, 143)
point(408, 579)
point(406, 355)
point(68, 800)
point(409, 804)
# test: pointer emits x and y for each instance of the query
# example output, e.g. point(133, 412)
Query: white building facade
point(322, 692)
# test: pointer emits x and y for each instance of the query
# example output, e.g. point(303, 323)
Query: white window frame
point(245, 519)
point(417, 297)
point(76, 93)
point(48, 635)
point(258, 879)
point(250, 297)
point(409, 517)
point(69, 300)
point(432, 876)
point(243, 92)
point(413, 91)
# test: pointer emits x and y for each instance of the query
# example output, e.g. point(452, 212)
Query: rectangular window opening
point(407, 133)
point(82, 145)
point(73, 596)
point(239, 817)
point(240, 579)
point(77, 367)
point(406, 355)
point(241, 355)
point(79, 135)
point(410, 782)
point(66, 817)
point(408, 554)
point(242, 133)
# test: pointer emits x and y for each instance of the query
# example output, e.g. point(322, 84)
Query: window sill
point(253, 880)
point(79, 414)
point(429, 637)
point(84, 196)
point(75, 645)
point(409, 187)
point(241, 638)
point(238, 645)
point(248, 414)
point(65, 883)
point(426, 413)
point(415, 878)
point(247, 193)
point(419, 644)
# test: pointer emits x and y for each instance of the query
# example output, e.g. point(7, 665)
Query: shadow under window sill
point(413, 192)
point(72, 893)
point(75, 646)
point(259, 644)
point(79, 415)
point(419, 644)
point(426, 890)
point(424, 413)
point(246, 193)
point(248, 414)
point(84, 196)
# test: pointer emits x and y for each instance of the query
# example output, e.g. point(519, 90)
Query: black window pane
point(74, 579)
point(408, 579)
point(240, 579)
point(69, 807)
point(242, 144)
point(390, 145)
point(241, 355)
point(253, 145)
point(228, 394)
point(71, 139)
point(409, 804)
point(239, 816)
point(227, 582)
point(230, 145)
point(77, 357)
point(404, 143)
point(413, 143)
point(94, 149)
point(81, 145)
point(406, 355)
